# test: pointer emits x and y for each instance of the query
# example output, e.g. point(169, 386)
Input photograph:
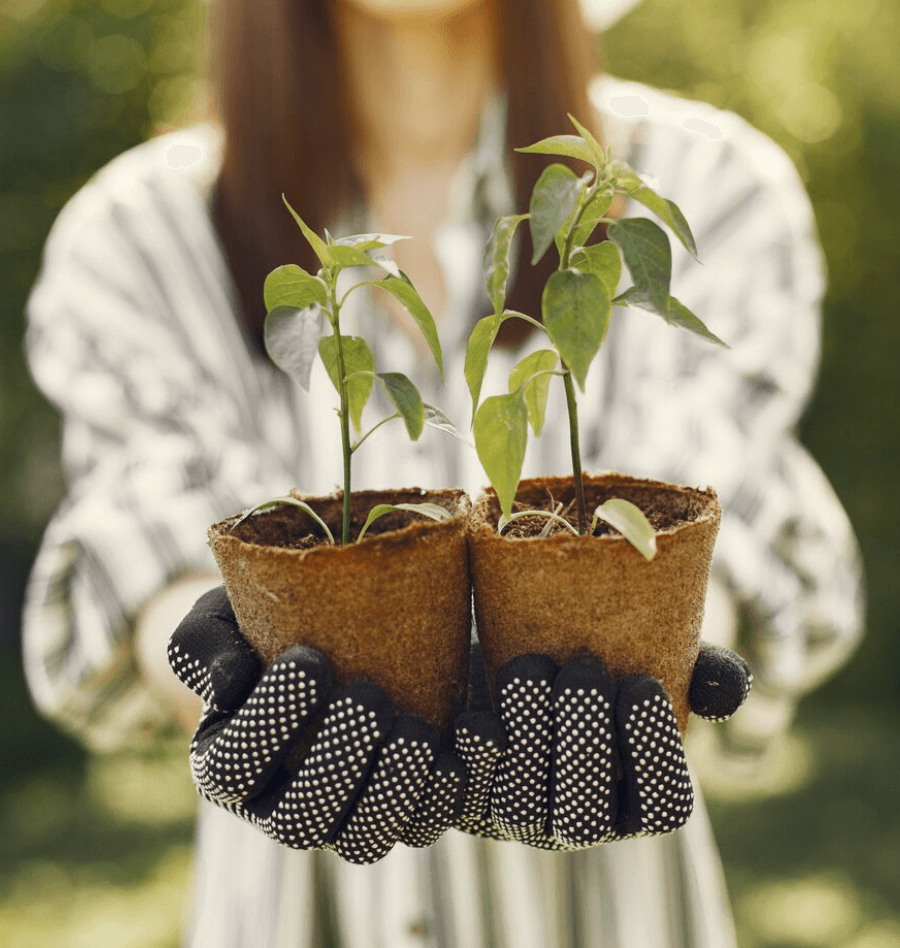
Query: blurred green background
point(97, 851)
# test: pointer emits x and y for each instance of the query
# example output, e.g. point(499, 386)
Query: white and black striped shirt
point(171, 422)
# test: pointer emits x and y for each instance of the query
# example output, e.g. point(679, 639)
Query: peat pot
point(576, 596)
point(393, 609)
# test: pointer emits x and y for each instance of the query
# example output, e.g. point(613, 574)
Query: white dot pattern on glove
point(583, 784)
point(519, 796)
point(656, 761)
point(437, 809)
point(329, 778)
point(388, 800)
point(241, 756)
point(481, 755)
point(194, 673)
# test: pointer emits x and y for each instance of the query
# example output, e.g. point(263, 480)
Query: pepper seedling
point(301, 307)
point(576, 305)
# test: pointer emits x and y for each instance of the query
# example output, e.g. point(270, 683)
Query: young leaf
point(536, 385)
point(354, 257)
point(647, 253)
point(564, 146)
point(434, 511)
point(293, 287)
point(291, 337)
point(407, 400)
point(576, 308)
point(630, 522)
point(603, 261)
point(405, 292)
point(669, 213)
point(552, 201)
point(368, 241)
point(314, 240)
point(480, 342)
point(290, 502)
point(677, 314)
point(496, 258)
point(624, 177)
point(435, 418)
point(359, 364)
point(599, 155)
point(590, 217)
point(501, 436)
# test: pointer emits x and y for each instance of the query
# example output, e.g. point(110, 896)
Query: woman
point(400, 116)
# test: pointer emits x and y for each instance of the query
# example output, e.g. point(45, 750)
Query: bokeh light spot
point(819, 911)
point(117, 64)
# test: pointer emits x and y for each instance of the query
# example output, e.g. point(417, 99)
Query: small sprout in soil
point(576, 306)
point(304, 321)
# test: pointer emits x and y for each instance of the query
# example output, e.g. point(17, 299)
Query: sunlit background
point(97, 851)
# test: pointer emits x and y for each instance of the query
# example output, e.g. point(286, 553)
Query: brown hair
point(279, 90)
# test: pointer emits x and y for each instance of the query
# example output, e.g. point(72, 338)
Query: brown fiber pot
point(574, 596)
point(393, 609)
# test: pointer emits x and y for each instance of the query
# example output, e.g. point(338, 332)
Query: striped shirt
point(172, 421)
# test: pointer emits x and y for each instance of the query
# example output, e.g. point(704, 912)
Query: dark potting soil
point(664, 509)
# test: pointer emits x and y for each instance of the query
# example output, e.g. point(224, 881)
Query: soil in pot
point(393, 609)
point(576, 596)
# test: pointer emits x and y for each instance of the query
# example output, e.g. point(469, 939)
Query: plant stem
point(346, 449)
point(576, 452)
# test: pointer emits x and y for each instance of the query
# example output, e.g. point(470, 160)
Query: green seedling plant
point(576, 306)
point(302, 308)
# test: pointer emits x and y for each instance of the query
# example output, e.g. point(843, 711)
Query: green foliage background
point(96, 851)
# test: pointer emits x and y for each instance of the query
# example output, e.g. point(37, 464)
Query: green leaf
point(496, 258)
point(603, 261)
point(564, 146)
point(287, 501)
point(477, 350)
point(552, 201)
point(358, 358)
point(531, 372)
point(313, 239)
point(597, 150)
point(293, 287)
point(368, 241)
point(354, 257)
point(402, 290)
point(590, 217)
point(291, 337)
point(433, 511)
point(501, 436)
point(407, 400)
point(576, 308)
point(677, 314)
point(647, 253)
point(669, 213)
point(630, 522)
point(435, 418)
point(624, 177)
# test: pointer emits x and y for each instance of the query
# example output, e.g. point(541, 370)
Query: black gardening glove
point(575, 759)
point(370, 777)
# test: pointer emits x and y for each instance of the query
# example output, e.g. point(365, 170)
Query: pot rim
point(486, 528)
point(459, 521)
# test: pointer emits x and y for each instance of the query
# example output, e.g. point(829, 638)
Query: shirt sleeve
point(697, 414)
point(152, 452)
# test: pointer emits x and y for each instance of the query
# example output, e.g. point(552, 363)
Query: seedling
point(576, 306)
point(302, 307)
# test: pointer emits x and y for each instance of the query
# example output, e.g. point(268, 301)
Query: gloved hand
point(370, 777)
point(576, 759)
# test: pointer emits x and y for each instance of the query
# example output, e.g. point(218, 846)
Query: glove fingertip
point(720, 684)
